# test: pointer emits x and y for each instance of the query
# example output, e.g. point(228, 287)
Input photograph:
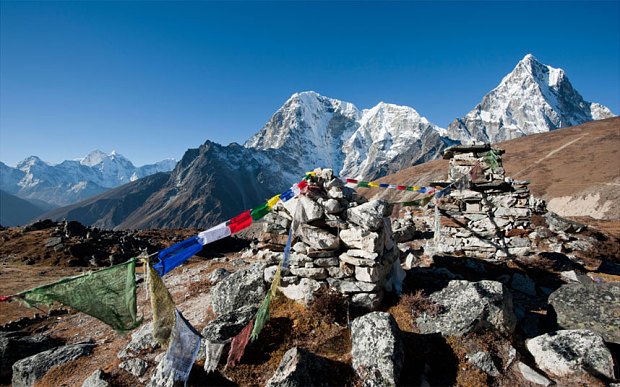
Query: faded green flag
point(108, 295)
point(164, 310)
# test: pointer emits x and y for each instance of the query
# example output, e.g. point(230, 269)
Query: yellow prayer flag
point(272, 202)
point(373, 184)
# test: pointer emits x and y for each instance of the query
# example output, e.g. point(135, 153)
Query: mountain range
point(73, 180)
point(215, 182)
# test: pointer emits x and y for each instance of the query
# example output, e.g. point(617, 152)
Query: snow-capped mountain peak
point(533, 98)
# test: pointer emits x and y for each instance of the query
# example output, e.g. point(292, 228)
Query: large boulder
point(368, 215)
point(572, 352)
point(28, 370)
point(595, 307)
point(558, 224)
point(14, 348)
point(228, 325)
point(377, 349)
point(469, 307)
point(135, 366)
point(242, 288)
point(298, 368)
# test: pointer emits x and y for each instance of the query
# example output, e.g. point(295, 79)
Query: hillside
point(15, 211)
point(576, 169)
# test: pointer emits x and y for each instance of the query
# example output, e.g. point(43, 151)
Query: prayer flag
point(213, 353)
point(352, 181)
point(362, 184)
point(214, 233)
point(238, 344)
point(303, 184)
point(260, 211)
point(384, 185)
point(262, 316)
point(287, 249)
point(272, 202)
point(176, 254)
point(183, 349)
point(164, 316)
point(401, 187)
point(373, 185)
point(108, 294)
point(287, 195)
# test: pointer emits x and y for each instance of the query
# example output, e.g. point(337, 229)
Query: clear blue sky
point(151, 79)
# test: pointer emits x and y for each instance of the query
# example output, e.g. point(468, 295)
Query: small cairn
point(340, 240)
point(486, 215)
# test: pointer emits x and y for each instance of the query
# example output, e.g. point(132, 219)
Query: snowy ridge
point(74, 180)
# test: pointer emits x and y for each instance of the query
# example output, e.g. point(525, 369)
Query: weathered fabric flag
point(238, 344)
point(164, 315)
point(214, 233)
point(107, 294)
point(213, 353)
point(262, 316)
point(176, 254)
point(287, 249)
point(183, 349)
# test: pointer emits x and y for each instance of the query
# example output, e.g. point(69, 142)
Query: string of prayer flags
point(213, 353)
point(262, 316)
point(238, 344)
point(164, 310)
point(418, 202)
point(182, 351)
point(369, 184)
point(108, 294)
point(443, 192)
point(175, 255)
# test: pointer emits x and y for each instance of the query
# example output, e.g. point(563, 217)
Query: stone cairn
point(340, 240)
point(487, 218)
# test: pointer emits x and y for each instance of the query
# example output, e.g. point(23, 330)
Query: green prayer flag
point(262, 316)
point(108, 295)
point(260, 211)
point(164, 310)
point(362, 184)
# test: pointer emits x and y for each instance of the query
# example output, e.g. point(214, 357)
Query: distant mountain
point(15, 211)
point(73, 180)
point(215, 182)
point(533, 98)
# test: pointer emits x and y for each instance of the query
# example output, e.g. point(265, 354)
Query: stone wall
point(339, 239)
point(488, 217)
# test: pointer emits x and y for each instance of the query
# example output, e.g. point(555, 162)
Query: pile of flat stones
point(340, 240)
point(488, 217)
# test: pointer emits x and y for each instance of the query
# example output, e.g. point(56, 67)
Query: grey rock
point(299, 367)
point(592, 306)
point(532, 376)
point(316, 273)
point(327, 262)
point(95, 380)
point(302, 291)
point(28, 370)
point(377, 349)
point(357, 261)
point(218, 274)
point(404, 234)
point(469, 307)
point(359, 238)
point(228, 325)
point(368, 215)
point(316, 238)
point(16, 348)
point(141, 339)
point(332, 206)
point(370, 301)
point(51, 242)
point(313, 211)
point(136, 366)
point(300, 247)
point(572, 352)
point(484, 362)
point(244, 287)
point(371, 274)
point(558, 224)
point(352, 286)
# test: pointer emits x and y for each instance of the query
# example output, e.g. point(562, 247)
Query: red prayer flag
point(240, 222)
point(238, 344)
point(303, 184)
point(352, 181)
point(401, 187)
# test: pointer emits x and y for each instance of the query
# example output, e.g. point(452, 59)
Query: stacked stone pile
point(340, 240)
point(487, 218)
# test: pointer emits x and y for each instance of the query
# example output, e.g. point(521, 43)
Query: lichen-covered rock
point(302, 291)
point(135, 366)
point(241, 288)
point(595, 307)
point(469, 307)
point(28, 370)
point(141, 339)
point(377, 349)
point(484, 362)
point(532, 376)
point(298, 368)
point(316, 238)
point(95, 380)
point(572, 352)
point(368, 215)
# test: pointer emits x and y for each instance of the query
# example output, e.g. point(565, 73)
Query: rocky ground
point(548, 317)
